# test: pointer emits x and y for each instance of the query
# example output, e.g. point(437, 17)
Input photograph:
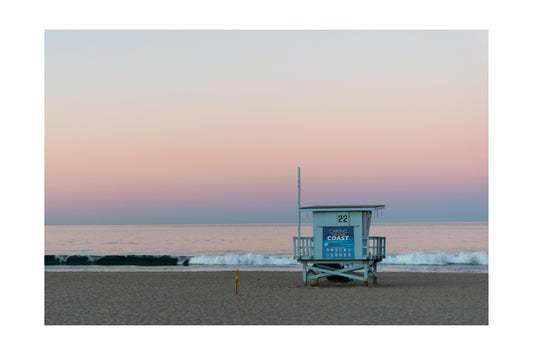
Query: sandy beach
point(265, 298)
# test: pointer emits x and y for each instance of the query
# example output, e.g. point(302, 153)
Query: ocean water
point(411, 247)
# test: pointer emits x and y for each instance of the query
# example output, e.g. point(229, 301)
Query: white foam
point(439, 258)
point(242, 259)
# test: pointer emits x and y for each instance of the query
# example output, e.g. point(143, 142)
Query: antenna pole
point(299, 213)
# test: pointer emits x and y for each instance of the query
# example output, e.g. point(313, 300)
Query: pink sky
point(210, 126)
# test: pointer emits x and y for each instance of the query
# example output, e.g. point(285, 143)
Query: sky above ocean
point(161, 127)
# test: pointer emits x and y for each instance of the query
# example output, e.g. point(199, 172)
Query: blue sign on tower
point(337, 242)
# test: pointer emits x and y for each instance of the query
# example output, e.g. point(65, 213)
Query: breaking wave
point(475, 258)
point(257, 260)
point(116, 260)
point(167, 260)
point(243, 259)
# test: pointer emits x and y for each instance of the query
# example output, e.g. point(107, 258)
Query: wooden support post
point(365, 277)
point(304, 268)
point(236, 282)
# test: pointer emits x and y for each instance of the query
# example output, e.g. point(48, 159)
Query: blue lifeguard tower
point(340, 245)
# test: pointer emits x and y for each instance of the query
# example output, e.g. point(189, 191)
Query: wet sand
point(265, 298)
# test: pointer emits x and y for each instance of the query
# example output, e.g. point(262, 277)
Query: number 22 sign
point(343, 219)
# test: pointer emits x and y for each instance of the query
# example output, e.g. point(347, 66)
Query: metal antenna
point(299, 202)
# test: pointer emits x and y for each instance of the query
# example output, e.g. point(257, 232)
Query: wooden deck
point(358, 268)
point(373, 249)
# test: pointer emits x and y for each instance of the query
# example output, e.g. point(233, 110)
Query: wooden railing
point(303, 247)
point(374, 246)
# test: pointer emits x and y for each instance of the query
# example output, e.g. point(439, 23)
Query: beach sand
point(265, 298)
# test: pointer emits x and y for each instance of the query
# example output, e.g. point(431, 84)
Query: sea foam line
point(416, 258)
point(439, 258)
point(242, 259)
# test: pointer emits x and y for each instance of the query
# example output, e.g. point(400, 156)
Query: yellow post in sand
point(236, 282)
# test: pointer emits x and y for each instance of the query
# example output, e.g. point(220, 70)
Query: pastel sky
point(211, 126)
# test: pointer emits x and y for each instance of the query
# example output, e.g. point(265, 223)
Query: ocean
point(411, 247)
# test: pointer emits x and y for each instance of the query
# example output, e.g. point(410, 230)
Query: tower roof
point(343, 208)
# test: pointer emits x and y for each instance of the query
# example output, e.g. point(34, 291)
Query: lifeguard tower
point(340, 245)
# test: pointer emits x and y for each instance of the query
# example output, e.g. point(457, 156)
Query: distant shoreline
point(237, 224)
